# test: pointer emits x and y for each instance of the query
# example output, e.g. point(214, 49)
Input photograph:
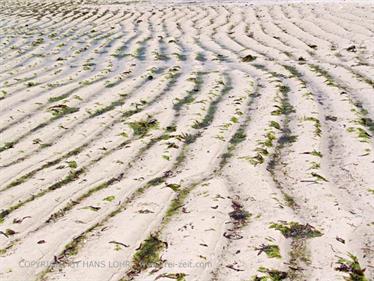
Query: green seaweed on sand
point(148, 253)
point(351, 266)
point(141, 128)
point(296, 230)
point(272, 251)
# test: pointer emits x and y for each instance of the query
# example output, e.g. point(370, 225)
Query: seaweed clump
point(352, 267)
point(148, 253)
point(296, 230)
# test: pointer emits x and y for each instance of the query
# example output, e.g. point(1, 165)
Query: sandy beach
point(186, 140)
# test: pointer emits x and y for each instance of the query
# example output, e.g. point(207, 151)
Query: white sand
point(228, 146)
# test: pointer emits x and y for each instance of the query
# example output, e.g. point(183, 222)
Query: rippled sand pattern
point(186, 142)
